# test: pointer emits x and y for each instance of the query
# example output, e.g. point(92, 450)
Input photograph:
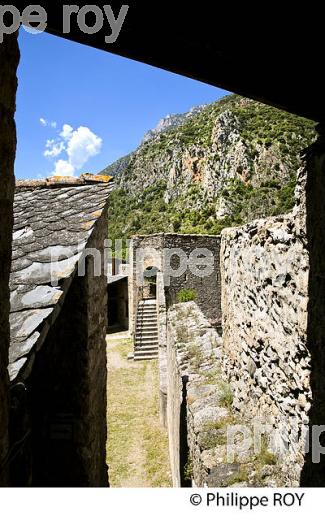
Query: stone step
point(146, 344)
point(146, 333)
point(152, 327)
point(147, 352)
point(140, 337)
point(147, 320)
point(146, 349)
point(147, 325)
point(145, 358)
point(149, 330)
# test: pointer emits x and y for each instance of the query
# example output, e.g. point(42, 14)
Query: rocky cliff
point(219, 165)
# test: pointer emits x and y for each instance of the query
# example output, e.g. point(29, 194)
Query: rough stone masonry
point(167, 252)
point(9, 58)
point(57, 356)
point(265, 357)
point(265, 270)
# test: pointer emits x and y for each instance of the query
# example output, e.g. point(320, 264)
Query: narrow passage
point(137, 446)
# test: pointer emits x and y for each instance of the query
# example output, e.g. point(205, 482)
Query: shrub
point(226, 397)
point(186, 295)
point(188, 469)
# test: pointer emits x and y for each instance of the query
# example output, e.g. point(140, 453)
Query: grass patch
point(241, 476)
point(183, 313)
point(125, 348)
point(137, 445)
point(213, 439)
point(218, 425)
point(215, 432)
point(211, 376)
point(226, 397)
point(265, 457)
point(196, 356)
point(183, 334)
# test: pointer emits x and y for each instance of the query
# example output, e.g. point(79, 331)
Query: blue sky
point(88, 106)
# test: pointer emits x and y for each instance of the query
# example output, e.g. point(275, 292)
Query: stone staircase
point(146, 334)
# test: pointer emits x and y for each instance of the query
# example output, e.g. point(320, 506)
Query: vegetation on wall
point(186, 295)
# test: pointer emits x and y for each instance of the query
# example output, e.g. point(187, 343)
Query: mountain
point(218, 165)
point(166, 123)
point(171, 121)
point(117, 167)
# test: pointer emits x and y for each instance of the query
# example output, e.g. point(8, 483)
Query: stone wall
point(202, 415)
point(206, 283)
point(313, 473)
point(265, 269)
point(66, 390)
point(193, 390)
point(162, 251)
point(9, 57)
point(162, 345)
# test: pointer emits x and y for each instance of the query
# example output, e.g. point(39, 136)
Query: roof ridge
point(64, 181)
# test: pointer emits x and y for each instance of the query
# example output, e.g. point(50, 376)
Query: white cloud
point(63, 168)
point(45, 122)
point(80, 145)
point(53, 148)
point(66, 133)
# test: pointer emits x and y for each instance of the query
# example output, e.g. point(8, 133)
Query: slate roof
point(53, 222)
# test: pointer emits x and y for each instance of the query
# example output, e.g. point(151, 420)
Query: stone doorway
point(117, 304)
point(150, 283)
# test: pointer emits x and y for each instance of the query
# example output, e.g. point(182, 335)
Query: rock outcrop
point(224, 164)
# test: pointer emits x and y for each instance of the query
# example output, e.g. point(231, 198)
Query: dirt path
point(137, 444)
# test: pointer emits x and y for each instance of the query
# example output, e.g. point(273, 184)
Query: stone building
point(184, 261)
point(58, 322)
